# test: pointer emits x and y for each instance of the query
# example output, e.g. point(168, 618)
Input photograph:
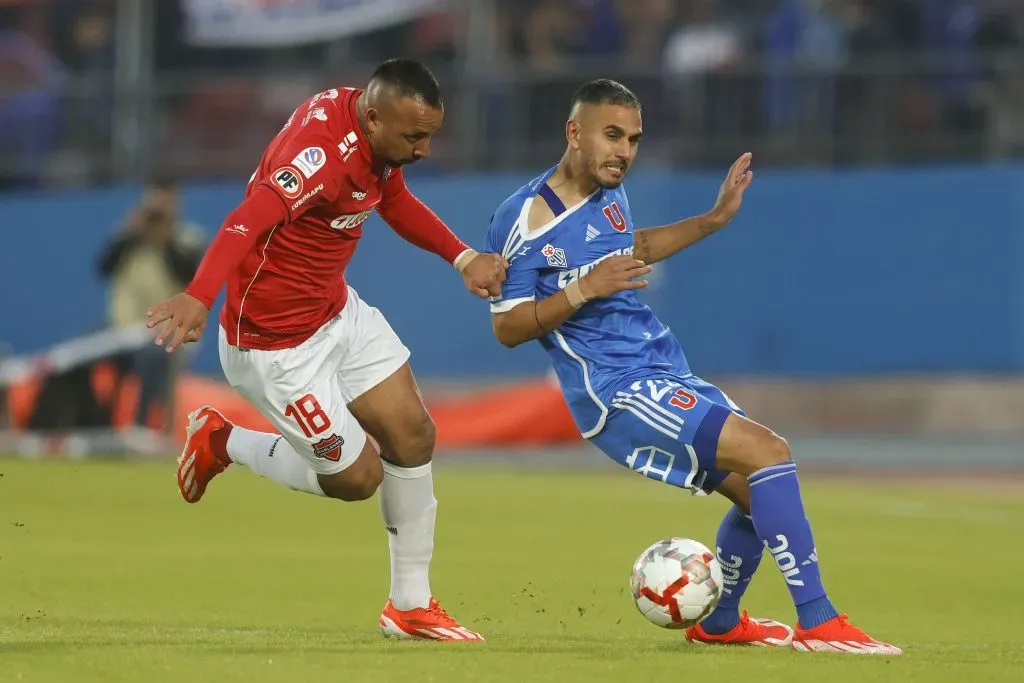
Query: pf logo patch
point(329, 448)
point(289, 180)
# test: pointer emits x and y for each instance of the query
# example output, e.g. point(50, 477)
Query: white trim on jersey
point(509, 304)
point(513, 233)
point(521, 232)
point(241, 304)
point(728, 400)
point(596, 429)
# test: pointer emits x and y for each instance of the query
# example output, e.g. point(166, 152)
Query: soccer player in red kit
point(301, 345)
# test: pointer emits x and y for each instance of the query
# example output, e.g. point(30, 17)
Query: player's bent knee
point(352, 488)
point(414, 445)
point(746, 447)
point(776, 451)
point(770, 450)
point(359, 481)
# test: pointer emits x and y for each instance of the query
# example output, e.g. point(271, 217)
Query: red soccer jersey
point(284, 249)
point(294, 280)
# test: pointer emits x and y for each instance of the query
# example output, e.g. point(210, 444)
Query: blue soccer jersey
point(608, 342)
point(623, 373)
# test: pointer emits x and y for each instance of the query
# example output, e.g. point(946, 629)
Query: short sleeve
point(521, 277)
point(307, 168)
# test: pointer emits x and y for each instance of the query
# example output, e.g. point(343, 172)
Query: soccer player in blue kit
point(575, 261)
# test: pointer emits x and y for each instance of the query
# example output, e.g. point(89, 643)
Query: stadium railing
point(210, 125)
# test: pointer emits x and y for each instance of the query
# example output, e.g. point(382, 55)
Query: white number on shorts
point(681, 397)
point(309, 415)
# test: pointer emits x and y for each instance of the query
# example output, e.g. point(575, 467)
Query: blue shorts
point(667, 429)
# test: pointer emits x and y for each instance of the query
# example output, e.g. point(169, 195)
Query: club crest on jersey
point(331, 94)
point(310, 160)
point(289, 180)
point(329, 448)
point(319, 114)
point(554, 255)
point(614, 216)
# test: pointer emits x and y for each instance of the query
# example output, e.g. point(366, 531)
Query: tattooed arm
point(651, 245)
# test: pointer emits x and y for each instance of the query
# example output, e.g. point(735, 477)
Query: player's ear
point(572, 133)
point(373, 119)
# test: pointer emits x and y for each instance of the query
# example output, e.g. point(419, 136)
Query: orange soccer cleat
point(431, 623)
point(839, 635)
point(756, 632)
point(202, 459)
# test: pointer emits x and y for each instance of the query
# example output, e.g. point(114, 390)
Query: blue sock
point(782, 525)
point(739, 552)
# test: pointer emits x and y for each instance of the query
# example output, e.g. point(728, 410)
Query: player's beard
point(604, 177)
point(394, 163)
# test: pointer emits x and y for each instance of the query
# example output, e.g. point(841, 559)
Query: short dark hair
point(605, 91)
point(409, 78)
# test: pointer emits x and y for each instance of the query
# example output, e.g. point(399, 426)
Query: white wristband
point(575, 296)
point(463, 259)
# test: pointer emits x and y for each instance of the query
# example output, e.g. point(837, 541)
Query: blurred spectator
point(31, 81)
point(702, 63)
point(703, 42)
point(153, 256)
point(1006, 114)
point(806, 46)
point(998, 37)
point(88, 51)
point(819, 81)
point(950, 28)
point(646, 25)
point(554, 34)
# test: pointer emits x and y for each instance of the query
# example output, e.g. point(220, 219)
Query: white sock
point(271, 456)
point(409, 509)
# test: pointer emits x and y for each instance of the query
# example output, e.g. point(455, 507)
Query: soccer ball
point(676, 583)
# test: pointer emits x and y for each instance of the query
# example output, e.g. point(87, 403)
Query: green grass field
point(106, 575)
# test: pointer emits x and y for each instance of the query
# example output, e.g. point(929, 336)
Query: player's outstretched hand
point(613, 275)
point(730, 195)
point(484, 275)
point(184, 319)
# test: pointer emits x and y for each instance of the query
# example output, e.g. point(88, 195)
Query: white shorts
point(304, 391)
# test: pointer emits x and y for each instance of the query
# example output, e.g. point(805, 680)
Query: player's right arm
point(184, 315)
point(529, 319)
point(306, 157)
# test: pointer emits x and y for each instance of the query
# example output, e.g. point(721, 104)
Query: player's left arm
point(651, 245)
point(416, 223)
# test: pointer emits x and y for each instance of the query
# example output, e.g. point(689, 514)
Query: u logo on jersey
point(614, 216)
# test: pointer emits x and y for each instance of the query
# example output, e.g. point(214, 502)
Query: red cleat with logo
point(755, 632)
point(203, 458)
point(839, 635)
point(430, 623)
